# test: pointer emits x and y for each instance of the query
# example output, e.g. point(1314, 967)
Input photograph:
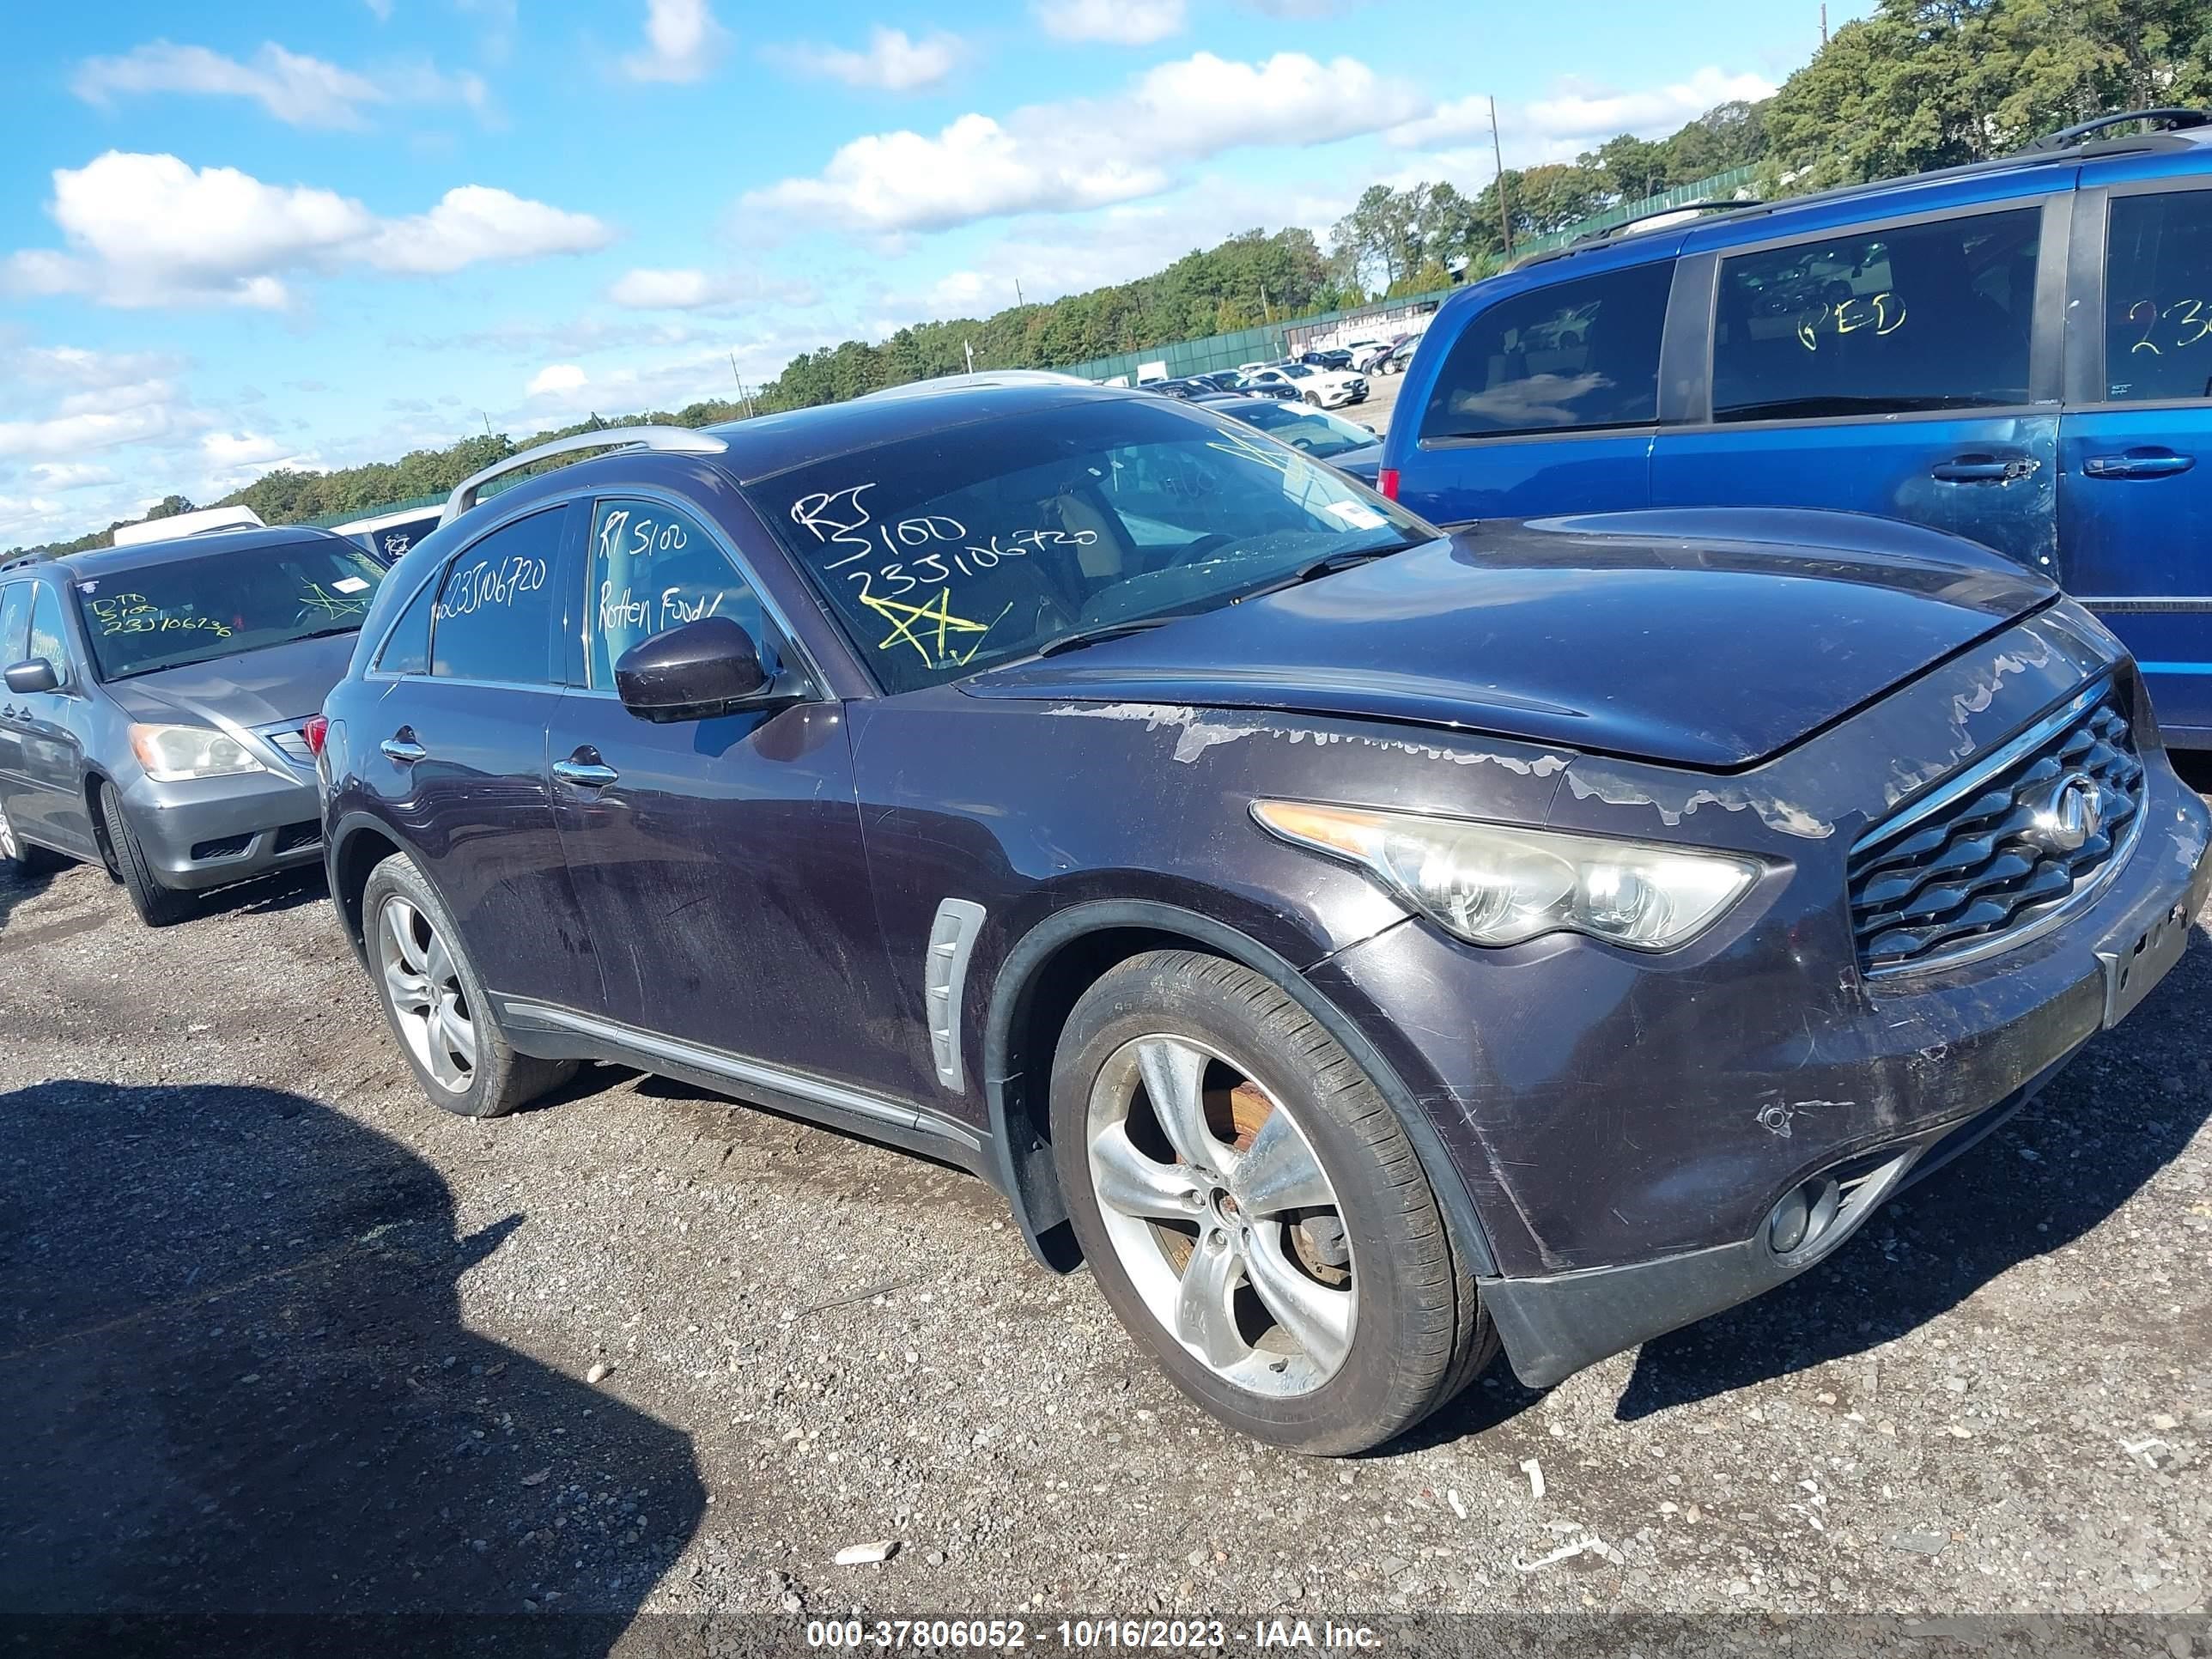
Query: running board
point(587, 1036)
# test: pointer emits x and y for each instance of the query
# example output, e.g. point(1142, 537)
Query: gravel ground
point(279, 1334)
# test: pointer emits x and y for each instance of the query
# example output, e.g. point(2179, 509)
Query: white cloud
point(1578, 117)
point(1115, 22)
point(150, 230)
point(683, 42)
point(1067, 157)
point(472, 224)
point(690, 289)
point(556, 378)
point(893, 62)
point(380, 8)
point(70, 475)
point(122, 415)
point(298, 90)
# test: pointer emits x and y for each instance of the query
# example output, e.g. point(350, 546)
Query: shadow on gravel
point(235, 1381)
point(17, 887)
point(266, 895)
point(2127, 1107)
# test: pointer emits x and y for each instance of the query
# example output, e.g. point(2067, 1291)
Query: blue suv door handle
point(2138, 463)
point(402, 747)
point(585, 769)
point(1983, 469)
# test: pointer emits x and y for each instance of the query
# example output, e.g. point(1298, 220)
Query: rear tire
point(1332, 1223)
point(157, 906)
point(436, 1005)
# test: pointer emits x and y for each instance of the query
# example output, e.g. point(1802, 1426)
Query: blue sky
point(240, 236)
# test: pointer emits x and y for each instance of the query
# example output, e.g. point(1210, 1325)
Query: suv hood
point(256, 688)
point(1708, 639)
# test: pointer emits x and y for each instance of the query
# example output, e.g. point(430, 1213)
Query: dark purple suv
point(1362, 944)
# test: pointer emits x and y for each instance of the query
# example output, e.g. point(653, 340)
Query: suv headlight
point(1490, 884)
point(172, 754)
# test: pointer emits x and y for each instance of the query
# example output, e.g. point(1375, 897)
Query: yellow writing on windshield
point(906, 619)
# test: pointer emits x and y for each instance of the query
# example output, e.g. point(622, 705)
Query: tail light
point(1386, 480)
point(316, 731)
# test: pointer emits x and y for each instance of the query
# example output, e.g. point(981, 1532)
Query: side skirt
point(550, 1032)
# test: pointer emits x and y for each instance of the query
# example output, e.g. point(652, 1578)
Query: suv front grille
point(1979, 862)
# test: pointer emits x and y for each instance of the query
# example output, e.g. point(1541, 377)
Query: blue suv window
point(1572, 355)
point(494, 612)
point(1877, 322)
point(2157, 298)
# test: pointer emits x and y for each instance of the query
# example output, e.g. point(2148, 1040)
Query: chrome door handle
point(403, 750)
point(586, 775)
point(2137, 465)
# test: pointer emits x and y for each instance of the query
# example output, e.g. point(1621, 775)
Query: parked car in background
point(199, 521)
point(1369, 359)
point(1361, 945)
point(1339, 362)
point(2018, 351)
point(157, 697)
point(1400, 356)
point(388, 535)
point(1193, 386)
point(1344, 445)
point(1322, 387)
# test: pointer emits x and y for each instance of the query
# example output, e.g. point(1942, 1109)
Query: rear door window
point(2157, 298)
point(1879, 322)
point(1575, 355)
point(493, 617)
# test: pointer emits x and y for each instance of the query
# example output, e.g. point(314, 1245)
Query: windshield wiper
point(1103, 632)
point(1315, 569)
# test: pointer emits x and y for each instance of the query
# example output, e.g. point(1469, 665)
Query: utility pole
point(1498, 153)
point(970, 351)
point(486, 419)
point(1824, 22)
point(1018, 301)
point(1266, 308)
point(743, 397)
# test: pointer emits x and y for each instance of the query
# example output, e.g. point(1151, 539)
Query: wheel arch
point(1037, 985)
point(358, 842)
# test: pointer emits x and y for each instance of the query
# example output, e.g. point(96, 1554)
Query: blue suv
point(2019, 352)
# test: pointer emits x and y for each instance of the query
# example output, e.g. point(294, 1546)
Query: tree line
point(1917, 84)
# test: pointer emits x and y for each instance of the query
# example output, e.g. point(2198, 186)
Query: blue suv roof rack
point(2169, 119)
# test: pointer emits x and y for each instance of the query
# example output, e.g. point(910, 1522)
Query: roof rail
point(673, 440)
point(2171, 119)
point(1607, 233)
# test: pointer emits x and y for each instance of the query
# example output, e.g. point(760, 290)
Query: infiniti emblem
point(2070, 811)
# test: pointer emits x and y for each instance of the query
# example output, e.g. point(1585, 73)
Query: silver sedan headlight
point(1492, 884)
point(174, 754)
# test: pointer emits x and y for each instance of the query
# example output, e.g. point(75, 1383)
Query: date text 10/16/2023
point(1089, 1635)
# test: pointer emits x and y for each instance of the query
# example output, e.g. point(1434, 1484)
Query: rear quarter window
point(1572, 355)
point(493, 617)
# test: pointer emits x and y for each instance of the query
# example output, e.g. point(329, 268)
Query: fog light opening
point(1804, 1215)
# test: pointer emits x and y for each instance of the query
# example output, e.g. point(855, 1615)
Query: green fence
point(1220, 352)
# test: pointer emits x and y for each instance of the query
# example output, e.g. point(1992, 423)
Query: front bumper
point(211, 831)
point(1626, 1125)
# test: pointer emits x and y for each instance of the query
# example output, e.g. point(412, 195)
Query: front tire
point(1314, 398)
point(436, 1005)
point(1252, 1209)
point(157, 906)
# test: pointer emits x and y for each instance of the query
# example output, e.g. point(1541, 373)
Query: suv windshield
point(1315, 432)
point(187, 611)
point(943, 555)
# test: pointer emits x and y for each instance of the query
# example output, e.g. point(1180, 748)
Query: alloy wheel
point(1222, 1216)
point(427, 1002)
point(9, 847)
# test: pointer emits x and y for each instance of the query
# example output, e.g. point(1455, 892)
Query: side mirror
point(36, 675)
point(695, 672)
